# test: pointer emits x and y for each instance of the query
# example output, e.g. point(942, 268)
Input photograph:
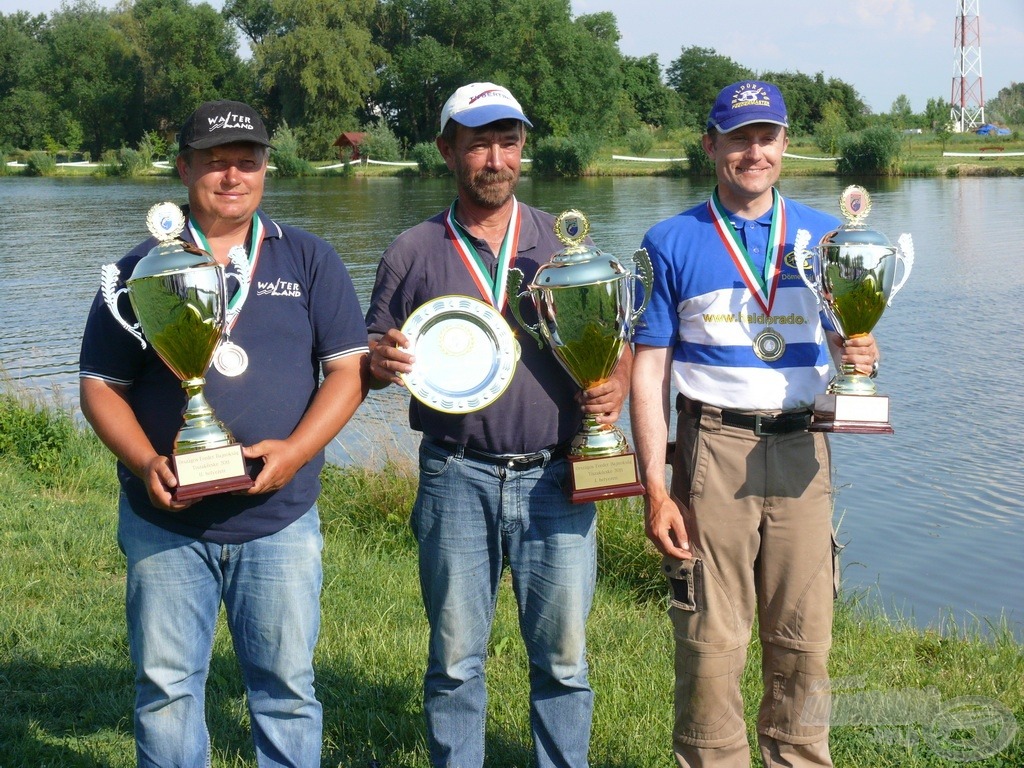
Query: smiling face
point(748, 161)
point(225, 184)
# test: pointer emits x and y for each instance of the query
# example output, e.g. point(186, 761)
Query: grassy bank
point(905, 698)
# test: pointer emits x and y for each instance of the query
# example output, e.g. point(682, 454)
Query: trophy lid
point(577, 263)
point(166, 222)
point(855, 205)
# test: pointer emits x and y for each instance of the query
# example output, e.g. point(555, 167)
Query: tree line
point(92, 79)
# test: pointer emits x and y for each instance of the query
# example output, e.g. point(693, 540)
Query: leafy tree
point(830, 129)
point(25, 112)
point(380, 143)
point(901, 113)
point(875, 150)
point(936, 114)
point(94, 77)
point(188, 55)
point(255, 19)
point(697, 76)
point(1008, 105)
point(655, 103)
point(319, 64)
point(807, 96)
point(25, 115)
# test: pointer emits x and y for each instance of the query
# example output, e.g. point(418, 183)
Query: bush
point(698, 160)
point(40, 164)
point(428, 158)
point(559, 156)
point(285, 154)
point(874, 151)
point(640, 142)
point(38, 436)
point(129, 163)
point(381, 143)
point(4, 170)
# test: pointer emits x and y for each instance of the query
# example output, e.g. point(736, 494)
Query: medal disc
point(769, 345)
point(230, 359)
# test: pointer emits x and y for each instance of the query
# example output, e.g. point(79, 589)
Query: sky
point(883, 48)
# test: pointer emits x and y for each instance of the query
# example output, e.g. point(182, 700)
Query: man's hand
point(665, 527)
point(158, 476)
point(860, 352)
point(388, 358)
point(281, 460)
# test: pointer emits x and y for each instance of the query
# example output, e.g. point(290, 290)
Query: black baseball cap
point(222, 122)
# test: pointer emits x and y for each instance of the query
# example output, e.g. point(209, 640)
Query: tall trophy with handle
point(852, 273)
point(179, 296)
point(585, 302)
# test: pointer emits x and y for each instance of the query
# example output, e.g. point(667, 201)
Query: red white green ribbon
point(254, 254)
point(494, 291)
point(762, 285)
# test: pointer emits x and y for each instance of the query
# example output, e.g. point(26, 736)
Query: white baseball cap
point(478, 104)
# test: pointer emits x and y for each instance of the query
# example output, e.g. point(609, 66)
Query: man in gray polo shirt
point(491, 481)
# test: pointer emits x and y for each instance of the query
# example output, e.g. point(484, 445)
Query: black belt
point(784, 423)
point(516, 461)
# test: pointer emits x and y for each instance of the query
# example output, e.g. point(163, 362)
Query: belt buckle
point(761, 423)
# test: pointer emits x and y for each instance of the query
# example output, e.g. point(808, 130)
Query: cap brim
point(237, 137)
point(731, 125)
point(474, 118)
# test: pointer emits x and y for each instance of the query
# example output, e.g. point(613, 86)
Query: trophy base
point(209, 472)
point(603, 477)
point(858, 414)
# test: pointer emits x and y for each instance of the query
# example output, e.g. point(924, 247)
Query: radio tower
point(967, 104)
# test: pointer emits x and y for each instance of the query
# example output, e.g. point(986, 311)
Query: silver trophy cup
point(586, 308)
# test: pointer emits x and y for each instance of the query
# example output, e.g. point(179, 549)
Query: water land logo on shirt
point(278, 287)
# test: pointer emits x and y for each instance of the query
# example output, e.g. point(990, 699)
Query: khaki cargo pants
point(759, 515)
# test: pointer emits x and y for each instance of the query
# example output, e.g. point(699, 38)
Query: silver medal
point(230, 359)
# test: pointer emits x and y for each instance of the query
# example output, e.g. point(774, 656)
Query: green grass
point(66, 679)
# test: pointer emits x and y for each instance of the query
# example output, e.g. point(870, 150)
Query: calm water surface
point(932, 516)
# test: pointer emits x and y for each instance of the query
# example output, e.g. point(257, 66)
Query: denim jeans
point(468, 518)
point(270, 588)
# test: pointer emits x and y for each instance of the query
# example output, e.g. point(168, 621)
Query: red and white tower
point(967, 102)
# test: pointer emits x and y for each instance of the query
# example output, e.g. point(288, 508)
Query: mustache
point(487, 176)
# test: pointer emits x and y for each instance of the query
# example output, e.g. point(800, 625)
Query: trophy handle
point(243, 275)
point(515, 280)
point(645, 272)
point(904, 255)
point(801, 258)
point(110, 276)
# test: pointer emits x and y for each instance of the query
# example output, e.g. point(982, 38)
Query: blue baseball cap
point(478, 104)
point(746, 102)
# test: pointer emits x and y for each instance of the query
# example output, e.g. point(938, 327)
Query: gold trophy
point(179, 296)
point(853, 271)
point(585, 303)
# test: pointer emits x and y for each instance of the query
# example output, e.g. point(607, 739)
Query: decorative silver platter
point(465, 353)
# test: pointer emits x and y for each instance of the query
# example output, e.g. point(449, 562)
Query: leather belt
point(782, 424)
point(517, 461)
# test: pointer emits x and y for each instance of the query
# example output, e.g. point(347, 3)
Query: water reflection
point(931, 515)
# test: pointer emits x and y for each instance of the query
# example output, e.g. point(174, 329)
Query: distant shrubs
point(640, 142)
point(285, 154)
point(381, 143)
point(428, 159)
point(699, 162)
point(37, 436)
point(129, 162)
point(560, 156)
point(874, 151)
point(40, 164)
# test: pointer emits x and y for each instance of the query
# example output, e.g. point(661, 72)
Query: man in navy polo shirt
point(256, 552)
point(490, 483)
point(746, 529)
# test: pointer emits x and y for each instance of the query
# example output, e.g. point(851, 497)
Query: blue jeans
point(270, 588)
point(468, 517)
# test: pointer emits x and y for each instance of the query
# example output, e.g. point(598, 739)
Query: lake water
point(932, 516)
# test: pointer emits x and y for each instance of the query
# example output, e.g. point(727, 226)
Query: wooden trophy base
point(604, 477)
point(856, 414)
point(209, 472)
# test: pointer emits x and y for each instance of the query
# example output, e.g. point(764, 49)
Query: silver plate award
point(465, 353)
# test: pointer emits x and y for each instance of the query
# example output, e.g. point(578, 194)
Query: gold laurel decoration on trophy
point(572, 228)
point(855, 204)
